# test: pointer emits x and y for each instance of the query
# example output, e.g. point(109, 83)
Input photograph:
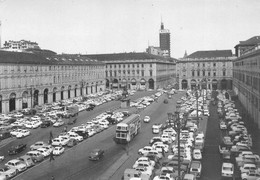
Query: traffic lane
point(43, 134)
point(158, 112)
point(211, 161)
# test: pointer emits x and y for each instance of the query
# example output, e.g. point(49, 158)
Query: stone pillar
point(18, 103)
point(50, 100)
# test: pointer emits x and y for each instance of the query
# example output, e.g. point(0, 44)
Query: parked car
point(250, 175)
point(96, 154)
point(8, 171)
point(72, 142)
point(195, 168)
point(36, 156)
point(5, 135)
point(227, 170)
point(58, 123)
point(27, 160)
point(38, 145)
point(46, 123)
point(83, 134)
point(58, 150)
point(17, 165)
point(16, 149)
point(23, 133)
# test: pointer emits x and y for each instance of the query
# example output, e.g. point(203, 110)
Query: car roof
point(227, 164)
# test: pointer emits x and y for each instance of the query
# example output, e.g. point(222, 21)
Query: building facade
point(246, 77)
point(206, 69)
point(20, 45)
point(137, 71)
point(165, 41)
point(29, 79)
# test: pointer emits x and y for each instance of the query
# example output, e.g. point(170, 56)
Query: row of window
point(252, 62)
point(128, 65)
point(209, 73)
point(18, 68)
point(249, 80)
point(128, 72)
point(209, 64)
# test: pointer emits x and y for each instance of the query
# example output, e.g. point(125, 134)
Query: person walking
point(51, 157)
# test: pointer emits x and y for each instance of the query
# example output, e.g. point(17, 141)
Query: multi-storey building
point(246, 76)
point(29, 79)
point(165, 41)
point(137, 70)
point(206, 69)
point(20, 45)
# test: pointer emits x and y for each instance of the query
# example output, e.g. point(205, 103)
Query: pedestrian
point(51, 157)
point(65, 129)
point(52, 178)
point(51, 136)
point(163, 153)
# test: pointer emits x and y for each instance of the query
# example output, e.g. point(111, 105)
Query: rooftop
point(211, 54)
point(43, 58)
point(250, 42)
point(125, 56)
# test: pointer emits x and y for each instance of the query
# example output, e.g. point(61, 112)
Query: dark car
point(83, 134)
point(46, 124)
point(90, 107)
point(111, 120)
point(5, 135)
point(72, 142)
point(16, 149)
point(96, 154)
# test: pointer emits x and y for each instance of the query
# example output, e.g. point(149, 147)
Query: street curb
point(111, 171)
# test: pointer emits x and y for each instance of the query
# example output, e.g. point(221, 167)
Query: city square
point(133, 90)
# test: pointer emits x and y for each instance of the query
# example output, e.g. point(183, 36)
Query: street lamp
point(177, 125)
point(82, 85)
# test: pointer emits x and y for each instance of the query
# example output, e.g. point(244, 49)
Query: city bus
point(127, 129)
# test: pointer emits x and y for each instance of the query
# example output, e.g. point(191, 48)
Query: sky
point(117, 26)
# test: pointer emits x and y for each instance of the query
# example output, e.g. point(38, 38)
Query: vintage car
point(16, 149)
point(96, 154)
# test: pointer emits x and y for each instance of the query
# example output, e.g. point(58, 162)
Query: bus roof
point(129, 119)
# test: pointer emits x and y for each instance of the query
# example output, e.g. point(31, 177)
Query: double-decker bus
point(127, 129)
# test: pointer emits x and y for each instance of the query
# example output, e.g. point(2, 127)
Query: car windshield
point(227, 168)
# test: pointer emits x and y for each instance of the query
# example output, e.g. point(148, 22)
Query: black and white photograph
point(129, 90)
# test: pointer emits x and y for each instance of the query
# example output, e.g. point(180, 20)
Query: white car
point(197, 155)
point(58, 150)
point(14, 132)
point(147, 119)
point(160, 147)
point(23, 133)
point(44, 152)
point(222, 125)
point(76, 137)
point(164, 176)
point(250, 175)
point(38, 145)
point(143, 159)
point(227, 170)
point(17, 165)
point(59, 142)
point(189, 177)
point(145, 150)
point(8, 172)
point(248, 167)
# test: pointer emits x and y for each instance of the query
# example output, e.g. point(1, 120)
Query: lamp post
point(175, 122)
point(31, 92)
